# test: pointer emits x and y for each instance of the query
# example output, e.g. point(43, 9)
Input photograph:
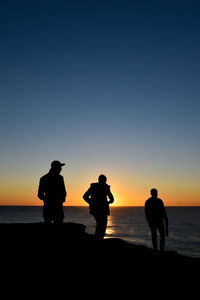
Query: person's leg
point(47, 220)
point(98, 225)
point(104, 222)
point(47, 214)
point(58, 214)
point(154, 237)
point(161, 229)
point(101, 224)
point(57, 220)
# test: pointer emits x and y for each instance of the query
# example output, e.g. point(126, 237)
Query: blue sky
point(109, 86)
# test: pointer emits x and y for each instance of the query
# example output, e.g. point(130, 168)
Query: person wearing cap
point(97, 197)
point(53, 193)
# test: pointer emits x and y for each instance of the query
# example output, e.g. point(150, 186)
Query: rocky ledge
point(66, 248)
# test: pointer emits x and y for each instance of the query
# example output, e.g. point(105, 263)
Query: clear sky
point(108, 87)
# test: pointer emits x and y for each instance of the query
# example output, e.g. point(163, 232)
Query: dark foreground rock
point(64, 254)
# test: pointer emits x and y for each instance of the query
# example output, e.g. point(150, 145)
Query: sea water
point(127, 223)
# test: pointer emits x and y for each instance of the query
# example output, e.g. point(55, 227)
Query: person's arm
point(41, 193)
point(110, 196)
point(64, 193)
point(166, 224)
point(87, 196)
point(146, 211)
point(165, 218)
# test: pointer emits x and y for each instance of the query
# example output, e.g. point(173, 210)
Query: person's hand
point(110, 201)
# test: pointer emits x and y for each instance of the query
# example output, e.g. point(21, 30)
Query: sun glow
point(127, 191)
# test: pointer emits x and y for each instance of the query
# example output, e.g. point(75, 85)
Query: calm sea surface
point(127, 223)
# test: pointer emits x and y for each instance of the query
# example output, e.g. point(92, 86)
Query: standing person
point(157, 219)
point(97, 198)
point(52, 192)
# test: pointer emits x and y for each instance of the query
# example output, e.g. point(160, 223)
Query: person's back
point(99, 193)
point(53, 193)
point(97, 197)
point(157, 219)
point(154, 209)
point(53, 186)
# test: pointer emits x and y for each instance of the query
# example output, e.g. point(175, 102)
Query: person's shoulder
point(148, 201)
point(94, 184)
point(94, 187)
point(44, 177)
point(160, 201)
point(107, 187)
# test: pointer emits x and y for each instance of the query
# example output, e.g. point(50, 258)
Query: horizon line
point(88, 206)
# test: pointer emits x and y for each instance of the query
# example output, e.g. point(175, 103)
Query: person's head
point(154, 192)
point(102, 179)
point(56, 166)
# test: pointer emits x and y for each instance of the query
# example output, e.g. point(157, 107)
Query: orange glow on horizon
point(131, 192)
point(27, 200)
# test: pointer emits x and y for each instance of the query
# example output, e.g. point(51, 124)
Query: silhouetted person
point(52, 192)
point(97, 196)
point(157, 219)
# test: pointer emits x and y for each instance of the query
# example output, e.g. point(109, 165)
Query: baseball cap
point(57, 163)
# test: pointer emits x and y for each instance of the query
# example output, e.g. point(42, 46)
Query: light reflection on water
point(128, 226)
point(110, 230)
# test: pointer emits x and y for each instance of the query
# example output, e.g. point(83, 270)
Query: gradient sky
point(108, 87)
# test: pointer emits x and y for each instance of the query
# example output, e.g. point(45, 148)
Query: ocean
point(127, 223)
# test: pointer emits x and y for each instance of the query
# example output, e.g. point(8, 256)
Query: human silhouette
point(53, 193)
point(157, 219)
point(97, 197)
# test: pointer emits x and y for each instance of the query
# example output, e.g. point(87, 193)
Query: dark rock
point(60, 252)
